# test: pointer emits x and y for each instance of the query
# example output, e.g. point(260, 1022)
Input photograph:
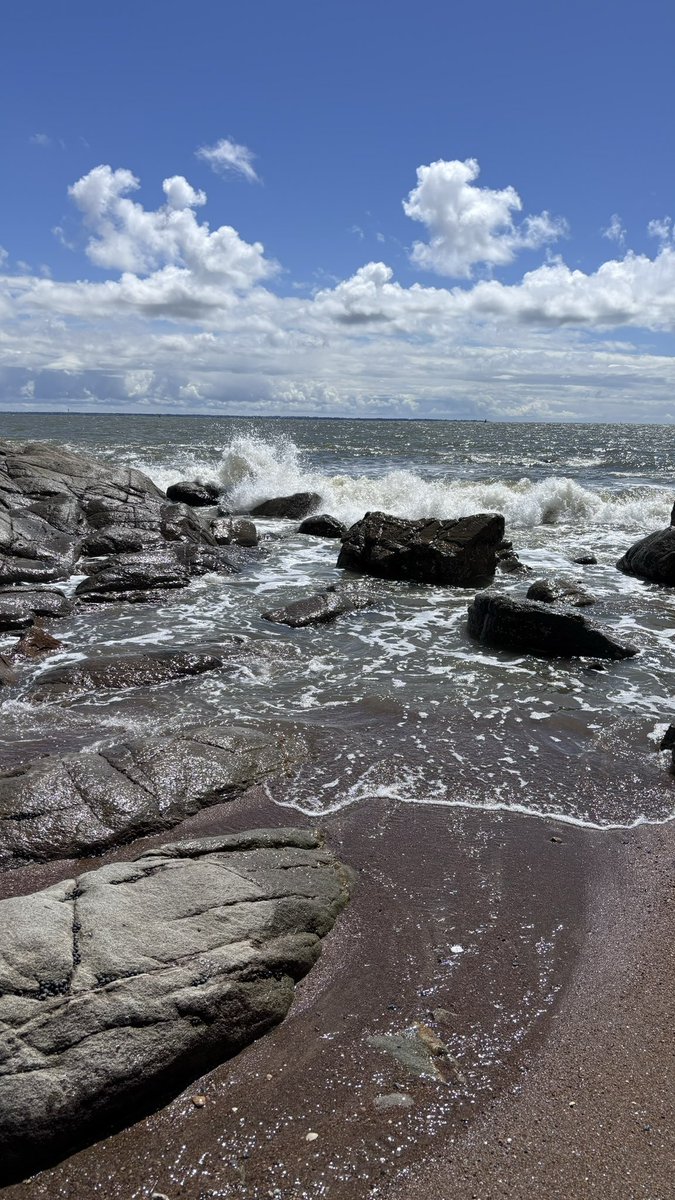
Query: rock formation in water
point(533, 627)
point(460, 553)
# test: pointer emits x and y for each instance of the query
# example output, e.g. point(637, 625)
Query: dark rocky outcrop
point(62, 806)
point(144, 669)
point(194, 493)
point(510, 564)
point(668, 740)
point(134, 577)
point(325, 606)
point(20, 606)
point(294, 507)
point(36, 642)
point(531, 627)
point(119, 986)
point(234, 531)
point(556, 591)
point(323, 525)
point(8, 675)
point(653, 557)
point(584, 558)
point(459, 553)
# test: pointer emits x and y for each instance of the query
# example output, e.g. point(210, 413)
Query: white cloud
point(471, 225)
point(227, 155)
point(615, 231)
point(662, 230)
point(40, 139)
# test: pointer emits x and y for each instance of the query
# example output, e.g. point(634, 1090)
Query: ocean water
point(397, 700)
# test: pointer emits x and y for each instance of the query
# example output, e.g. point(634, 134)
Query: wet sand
point(527, 947)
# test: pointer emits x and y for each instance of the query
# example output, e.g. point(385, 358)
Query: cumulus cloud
point(471, 225)
point(228, 156)
point(615, 231)
point(662, 229)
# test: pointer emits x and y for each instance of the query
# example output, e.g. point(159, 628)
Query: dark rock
point(322, 607)
point(554, 591)
point(535, 628)
point(510, 564)
point(672, 516)
point(299, 505)
point(8, 675)
point(324, 526)
point(237, 531)
point(109, 672)
point(114, 539)
point(116, 578)
point(178, 523)
point(584, 558)
point(62, 806)
point(121, 985)
point(668, 743)
point(459, 552)
point(35, 643)
point(653, 557)
point(198, 495)
point(20, 606)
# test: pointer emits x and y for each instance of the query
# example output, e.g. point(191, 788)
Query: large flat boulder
point(121, 985)
point(653, 557)
point(534, 627)
point(62, 806)
point(109, 672)
point(321, 607)
point(459, 553)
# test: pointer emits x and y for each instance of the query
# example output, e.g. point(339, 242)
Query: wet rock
point(584, 558)
point(510, 564)
point(324, 526)
point(420, 1052)
point(36, 642)
point(672, 516)
point(536, 628)
point(458, 553)
point(653, 557)
point(668, 743)
point(113, 539)
point(121, 985)
point(127, 575)
point(8, 675)
point(236, 531)
point(62, 806)
point(325, 606)
point(555, 591)
point(20, 606)
point(179, 523)
point(294, 507)
point(194, 493)
point(149, 668)
point(393, 1100)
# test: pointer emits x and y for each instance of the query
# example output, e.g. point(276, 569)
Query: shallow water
point(399, 700)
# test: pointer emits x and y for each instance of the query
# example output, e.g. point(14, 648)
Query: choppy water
point(398, 700)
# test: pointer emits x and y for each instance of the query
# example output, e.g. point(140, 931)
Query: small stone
point(556, 839)
point(159, 1196)
point(199, 1101)
point(311, 1137)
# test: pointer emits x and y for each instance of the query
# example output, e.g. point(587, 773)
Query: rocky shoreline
point(129, 967)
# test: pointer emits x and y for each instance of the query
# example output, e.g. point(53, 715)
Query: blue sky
point(431, 209)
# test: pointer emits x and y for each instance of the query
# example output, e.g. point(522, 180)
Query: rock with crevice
point(145, 668)
point(294, 507)
point(336, 601)
point(533, 627)
point(120, 986)
point(323, 525)
point(456, 553)
point(20, 606)
point(653, 557)
point(62, 806)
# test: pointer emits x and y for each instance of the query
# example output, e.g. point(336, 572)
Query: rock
point(531, 627)
point(8, 675)
point(459, 553)
point(108, 672)
point(120, 986)
point(668, 743)
point(20, 606)
point(198, 495)
point(35, 643)
point(113, 539)
point(421, 1052)
point(584, 558)
point(510, 564)
point(62, 806)
point(237, 531)
point(393, 1100)
point(324, 606)
point(129, 576)
point(324, 526)
point(553, 591)
point(294, 507)
point(672, 516)
point(653, 557)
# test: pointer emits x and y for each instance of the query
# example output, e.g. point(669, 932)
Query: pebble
point(199, 1101)
point(311, 1137)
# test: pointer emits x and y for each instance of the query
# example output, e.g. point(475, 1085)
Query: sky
point(329, 208)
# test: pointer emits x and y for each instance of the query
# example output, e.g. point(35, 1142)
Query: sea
point(397, 700)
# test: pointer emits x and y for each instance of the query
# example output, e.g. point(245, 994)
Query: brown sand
point(558, 1013)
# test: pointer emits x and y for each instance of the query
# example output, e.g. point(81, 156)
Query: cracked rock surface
point(119, 986)
point(61, 806)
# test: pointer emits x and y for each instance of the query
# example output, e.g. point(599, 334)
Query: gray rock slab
point(62, 806)
point(146, 668)
point(459, 553)
point(532, 627)
point(121, 985)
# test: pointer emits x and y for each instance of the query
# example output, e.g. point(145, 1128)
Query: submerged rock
point(668, 743)
point(62, 806)
point(554, 591)
point(146, 668)
point(533, 627)
point(323, 525)
point(294, 507)
point(510, 564)
point(324, 606)
point(20, 606)
point(119, 986)
point(8, 675)
point(458, 553)
point(35, 643)
point(235, 531)
point(194, 493)
point(653, 557)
